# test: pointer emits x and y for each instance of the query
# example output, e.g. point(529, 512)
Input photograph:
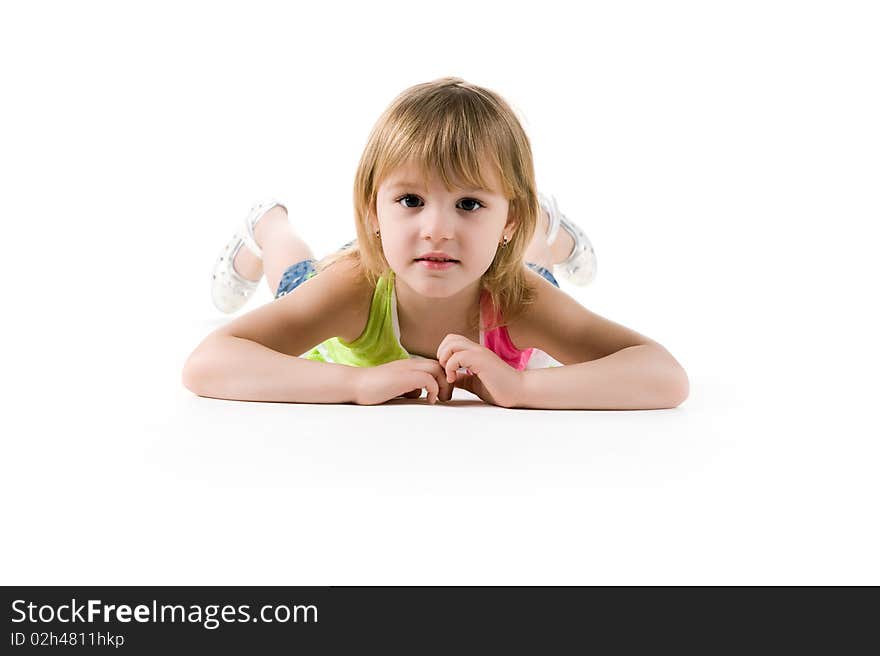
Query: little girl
point(448, 283)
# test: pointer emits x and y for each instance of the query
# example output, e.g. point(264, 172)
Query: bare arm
point(228, 367)
point(255, 357)
point(642, 377)
point(607, 366)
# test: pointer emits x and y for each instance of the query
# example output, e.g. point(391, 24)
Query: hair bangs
point(449, 136)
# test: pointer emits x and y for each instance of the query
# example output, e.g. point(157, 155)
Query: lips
point(436, 256)
point(437, 265)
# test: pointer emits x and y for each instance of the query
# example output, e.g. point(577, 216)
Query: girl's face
point(464, 224)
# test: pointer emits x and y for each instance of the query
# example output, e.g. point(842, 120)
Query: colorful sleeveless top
point(380, 341)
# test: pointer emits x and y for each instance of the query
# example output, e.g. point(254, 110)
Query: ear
point(372, 220)
point(512, 222)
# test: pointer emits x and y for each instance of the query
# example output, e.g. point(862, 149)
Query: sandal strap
point(549, 205)
point(235, 276)
point(247, 233)
point(250, 244)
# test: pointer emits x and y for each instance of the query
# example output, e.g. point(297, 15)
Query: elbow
point(680, 389)
point(193, 374)
point(671, 380)
point(200, 370)
point(189, 379)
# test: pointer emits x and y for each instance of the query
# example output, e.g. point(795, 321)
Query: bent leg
point(281, 246)
point(294, 276)
point(540, 252)
point(298, 272)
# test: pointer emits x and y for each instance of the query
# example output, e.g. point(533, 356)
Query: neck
point(437, 316)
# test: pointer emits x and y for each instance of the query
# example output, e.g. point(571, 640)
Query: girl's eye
point(471, 208)
point(472, 200)
point(404, 199)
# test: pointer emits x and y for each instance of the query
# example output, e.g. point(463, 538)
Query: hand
point(376, 385)
point(488, 376)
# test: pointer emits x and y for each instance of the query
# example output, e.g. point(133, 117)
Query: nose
point(437, 223)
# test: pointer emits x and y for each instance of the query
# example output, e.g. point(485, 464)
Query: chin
point(434, 288)
point(438, 285)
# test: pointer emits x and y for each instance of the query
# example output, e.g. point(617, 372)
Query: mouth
point(436, 263)
point(435, 259)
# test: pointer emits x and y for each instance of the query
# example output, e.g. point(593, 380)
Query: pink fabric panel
point(498, 341)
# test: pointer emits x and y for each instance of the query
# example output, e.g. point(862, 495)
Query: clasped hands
point(488, 376)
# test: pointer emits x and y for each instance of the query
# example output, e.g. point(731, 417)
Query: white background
point(723, 158)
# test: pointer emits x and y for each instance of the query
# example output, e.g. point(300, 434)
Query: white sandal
point(229, 289)
point(580, 266)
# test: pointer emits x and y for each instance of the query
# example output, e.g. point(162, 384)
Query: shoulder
point(345, 280)
point(559, 325)
point(522, 329)
point(334, 303)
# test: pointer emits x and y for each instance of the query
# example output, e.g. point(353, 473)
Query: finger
point(446, 386)
point(449, 345)
point(429, 382)
point(456, 362)
point(444, 350)
point(434, 369)
point(450, 370)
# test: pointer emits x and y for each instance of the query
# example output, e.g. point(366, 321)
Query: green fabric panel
point(376, 345)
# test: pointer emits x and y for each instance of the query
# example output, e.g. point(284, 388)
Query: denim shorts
point(297, 274)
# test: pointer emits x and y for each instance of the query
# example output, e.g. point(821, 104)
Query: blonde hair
point(450, 126)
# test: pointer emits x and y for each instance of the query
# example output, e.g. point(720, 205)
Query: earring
point(504, 243)
point(377, 233)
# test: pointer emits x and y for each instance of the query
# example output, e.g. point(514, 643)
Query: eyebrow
point(414, 185)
